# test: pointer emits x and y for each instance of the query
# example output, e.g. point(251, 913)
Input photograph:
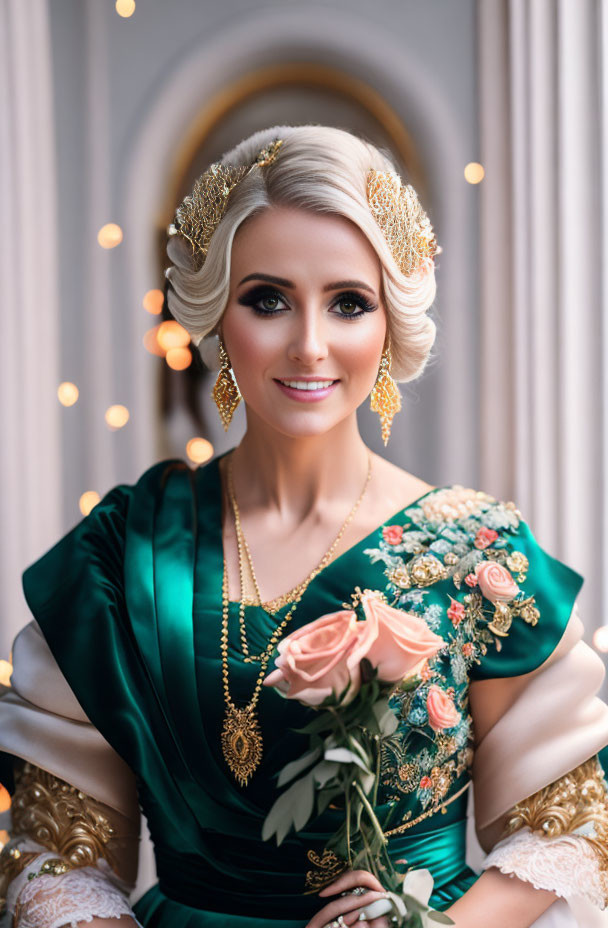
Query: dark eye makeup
point(260, 294)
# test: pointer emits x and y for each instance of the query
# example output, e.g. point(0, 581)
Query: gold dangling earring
point(226, 393)
point(385, 396)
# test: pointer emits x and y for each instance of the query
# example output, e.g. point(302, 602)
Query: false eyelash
point(257, 294)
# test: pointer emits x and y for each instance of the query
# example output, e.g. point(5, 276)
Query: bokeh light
point(116, 416)
point(179, 359)
point(125, 8)
point(6, 669)
point(172, 335)
point(110, 235)
point(5, 798)
point(67, 393)
point(153, 302)
point(474, 172)
point(199, 450)
point(150, 341)
point(87, 501)
point(600, 638)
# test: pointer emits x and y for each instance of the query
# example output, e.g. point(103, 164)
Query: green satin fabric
point(130, 603)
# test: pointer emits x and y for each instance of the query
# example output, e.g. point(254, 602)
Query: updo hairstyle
point(318, 168)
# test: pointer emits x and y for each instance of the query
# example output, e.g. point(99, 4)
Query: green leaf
point(410, 683)
point(388, 723)
point(324, 771)
point(380, 707)
point(368, 781)
point(356, 746)
point(324, 722)
point(324, 798)
point(344, 756)
point(292, 769)
point(439, 917)
point(304, 801)
point(280, 818)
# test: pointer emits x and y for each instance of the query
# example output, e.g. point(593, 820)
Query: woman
point(141, 678)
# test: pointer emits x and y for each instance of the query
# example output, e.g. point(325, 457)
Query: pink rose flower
point(470, 580)
point(484, 537)
point(322, 657)
point(441, 709)
point(392, 534)
point(456, 613)
point(468, 649)
point(404, 641)
point(426, 783)
point(495, 581)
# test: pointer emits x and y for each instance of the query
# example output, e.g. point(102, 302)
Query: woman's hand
point(350, 907)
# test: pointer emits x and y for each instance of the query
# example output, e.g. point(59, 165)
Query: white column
point(543, 436)
point(30, 472)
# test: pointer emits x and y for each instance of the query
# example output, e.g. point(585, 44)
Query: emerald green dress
point(130, 604)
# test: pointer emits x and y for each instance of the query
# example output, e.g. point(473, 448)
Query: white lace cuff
point(59, 901)
point(566, 865)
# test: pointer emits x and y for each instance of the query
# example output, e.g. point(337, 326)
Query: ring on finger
point(337, 923)
point(357, 891)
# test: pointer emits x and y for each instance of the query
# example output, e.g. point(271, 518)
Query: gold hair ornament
point(199, 214)
point(385, 397)
point(404, 223)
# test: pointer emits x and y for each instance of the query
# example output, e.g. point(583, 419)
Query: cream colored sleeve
point(65, 772)
point(540, 798)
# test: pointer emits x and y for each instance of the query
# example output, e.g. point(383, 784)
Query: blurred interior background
point(495, 110)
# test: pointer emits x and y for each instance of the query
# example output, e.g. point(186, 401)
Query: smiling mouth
point(307, 385)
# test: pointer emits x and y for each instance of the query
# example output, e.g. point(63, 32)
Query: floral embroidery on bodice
point(450, 559)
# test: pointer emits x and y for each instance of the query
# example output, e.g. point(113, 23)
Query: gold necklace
point(294, 594)
point(241, 734)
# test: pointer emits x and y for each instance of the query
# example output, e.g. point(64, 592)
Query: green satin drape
point(130, 603)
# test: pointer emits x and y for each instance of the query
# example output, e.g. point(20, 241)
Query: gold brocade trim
point(432, 811)
point(578, 798)
point(60, 817)
point(328, 868)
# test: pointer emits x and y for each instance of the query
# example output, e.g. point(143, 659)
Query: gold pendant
point(241, 742)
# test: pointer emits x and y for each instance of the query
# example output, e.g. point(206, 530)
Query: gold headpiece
point(199, 214)
point(395, 208)
point(403, 221)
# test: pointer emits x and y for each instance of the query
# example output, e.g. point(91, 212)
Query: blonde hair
point(318, 168)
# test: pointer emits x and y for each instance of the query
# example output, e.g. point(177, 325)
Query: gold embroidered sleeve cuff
point(557, 838)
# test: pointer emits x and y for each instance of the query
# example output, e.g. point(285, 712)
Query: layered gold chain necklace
point(241, 735)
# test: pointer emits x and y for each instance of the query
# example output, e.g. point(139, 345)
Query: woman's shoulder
point(446, 502)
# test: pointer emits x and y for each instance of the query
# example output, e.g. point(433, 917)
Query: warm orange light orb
point(199, 450)
point(87, 501)
point(474, 172)
point(178, 359)
point(153, 302)
point(600, 638)
point(116, 416)
point(125, 8)
point(110, 235)
point(172, 335)
point(150, 341)
point(67, 393)
point(6, 669)
point(5, 798)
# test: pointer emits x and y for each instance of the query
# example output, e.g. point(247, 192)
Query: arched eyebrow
point(289, 284)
